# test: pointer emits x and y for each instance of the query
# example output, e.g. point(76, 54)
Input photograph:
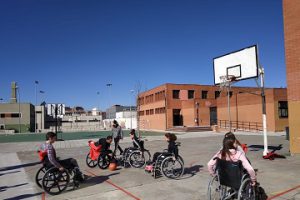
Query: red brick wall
point(291, 15)
point(249, 108)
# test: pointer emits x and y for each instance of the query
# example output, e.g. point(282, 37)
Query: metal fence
point(241, 125)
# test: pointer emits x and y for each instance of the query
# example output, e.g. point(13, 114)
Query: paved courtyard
point(19, 163)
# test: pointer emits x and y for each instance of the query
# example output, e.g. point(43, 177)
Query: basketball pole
point(264, 112)
point(228, 104)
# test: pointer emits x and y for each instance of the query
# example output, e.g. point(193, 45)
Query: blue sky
point(74, 48)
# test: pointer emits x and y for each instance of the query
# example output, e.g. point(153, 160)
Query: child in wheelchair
point(239, 146)
point(172, 148)
point(50, 158)
point(229, 152)
point(105, 146)
point(137, 143)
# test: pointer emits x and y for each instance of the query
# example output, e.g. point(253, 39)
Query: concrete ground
point(19, 164)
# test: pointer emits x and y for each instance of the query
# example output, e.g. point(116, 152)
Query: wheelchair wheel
point(172, 168)
point(136, 159)
point(91, 163)
point(246, 191)
point(39, 176)
point(214, 189)
point(55, 181)
point(103, 163)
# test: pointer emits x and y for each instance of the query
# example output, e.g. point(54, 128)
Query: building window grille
point(204, 94)
point(151, 111)
point(191, 94)
point(283, 109)
point(217, 94)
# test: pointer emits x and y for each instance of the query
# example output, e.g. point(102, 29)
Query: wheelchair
point(168, 165)
point(93, 158)
point(51, 180)
point(136, 156)
point(230, 182)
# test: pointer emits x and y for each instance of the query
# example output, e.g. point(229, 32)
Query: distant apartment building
point(16, 116)
point(111, 112)
point(189, 105)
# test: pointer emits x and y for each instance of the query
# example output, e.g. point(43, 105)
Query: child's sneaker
point(78, 175)
point(149, 168)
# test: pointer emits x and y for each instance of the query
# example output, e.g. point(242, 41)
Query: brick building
point(189, 105)
point(291, 15)
point(246, 110)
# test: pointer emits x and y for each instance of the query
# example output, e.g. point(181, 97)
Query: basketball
point(112, 166)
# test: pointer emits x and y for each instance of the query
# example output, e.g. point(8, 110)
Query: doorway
point(177, 118)
point(213, 116)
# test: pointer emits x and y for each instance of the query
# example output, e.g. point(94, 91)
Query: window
point(283, 109)
point(142, 113)
point(176, 94)
point(160, 96)
point(204, 94)
point(230, 94)
point(151, 111)
point(15, 115)
point(160, 110)
point(191, 94)
point(217, 94)
point(10, 115)
point(141, 101)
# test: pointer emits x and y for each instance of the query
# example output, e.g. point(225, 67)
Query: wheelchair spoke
point(214, 189)
point(171, 168)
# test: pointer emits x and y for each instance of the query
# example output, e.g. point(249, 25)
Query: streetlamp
point(35, 116)
point(19, 99)
point(98, 93)
point(109, 95)
point(36, 89)
point(132, 93)
point(42, 110)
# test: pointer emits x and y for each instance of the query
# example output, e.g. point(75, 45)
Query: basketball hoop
point(227, 80)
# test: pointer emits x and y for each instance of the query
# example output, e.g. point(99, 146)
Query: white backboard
point(243, 64)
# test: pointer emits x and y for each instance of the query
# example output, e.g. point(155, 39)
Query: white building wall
point(125, 120)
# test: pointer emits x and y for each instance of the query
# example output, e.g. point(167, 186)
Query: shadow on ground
point(24, 196)
point(19, 166)
point(4, 188)
point(255, 147)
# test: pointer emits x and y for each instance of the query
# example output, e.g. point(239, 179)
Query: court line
point(43, 196)
point(284, 192)
point(118, 187)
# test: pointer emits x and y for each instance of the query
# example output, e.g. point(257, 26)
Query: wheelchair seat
point(230, 173)
point(94, 150)
point(230, 182)
point(42, 155)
